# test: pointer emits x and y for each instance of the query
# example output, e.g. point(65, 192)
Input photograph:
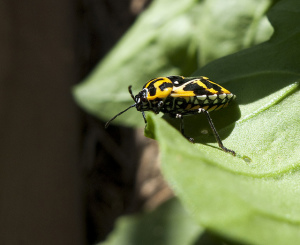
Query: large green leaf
point(170, 38)
point(254, 197)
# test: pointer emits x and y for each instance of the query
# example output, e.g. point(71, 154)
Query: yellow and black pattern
point(179, 96)
point(185, 95)
point(197, 86)
point(186, 105)
point(160, 88)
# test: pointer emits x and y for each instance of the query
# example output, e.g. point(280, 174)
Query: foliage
point(254, 197)
point(159, 227)
point(170, 38)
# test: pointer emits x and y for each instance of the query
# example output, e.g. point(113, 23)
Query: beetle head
point(141, 101)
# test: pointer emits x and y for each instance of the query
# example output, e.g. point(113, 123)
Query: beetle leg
point(180, 116)
point(157, 108)
point(143, 113)
point(217, 137)
point(160, 104)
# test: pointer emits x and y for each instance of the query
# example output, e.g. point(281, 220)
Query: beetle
point(181, 96)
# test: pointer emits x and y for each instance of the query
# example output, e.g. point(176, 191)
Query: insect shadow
point(197, 126)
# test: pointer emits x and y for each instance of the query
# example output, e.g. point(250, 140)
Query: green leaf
point(167, 225)
point(228, 26)
point(170, 38)
point(254, 197)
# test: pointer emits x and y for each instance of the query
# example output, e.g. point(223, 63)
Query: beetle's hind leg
point(217, 137)
point(180, 116)
point(211, 124)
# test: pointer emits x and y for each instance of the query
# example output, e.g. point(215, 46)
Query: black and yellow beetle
point(181, 96)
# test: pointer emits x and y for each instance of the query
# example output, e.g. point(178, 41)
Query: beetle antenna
point(130, 91)
point(107, 124)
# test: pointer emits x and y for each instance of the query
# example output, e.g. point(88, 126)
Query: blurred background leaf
point(167, 225)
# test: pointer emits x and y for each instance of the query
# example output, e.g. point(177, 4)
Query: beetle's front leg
point(145, 120)
point(180, 116)
point(156, 109)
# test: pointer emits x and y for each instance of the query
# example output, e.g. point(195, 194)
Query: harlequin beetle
point(179, 96)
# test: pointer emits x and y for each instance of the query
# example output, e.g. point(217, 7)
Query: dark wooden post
point(40, 197)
